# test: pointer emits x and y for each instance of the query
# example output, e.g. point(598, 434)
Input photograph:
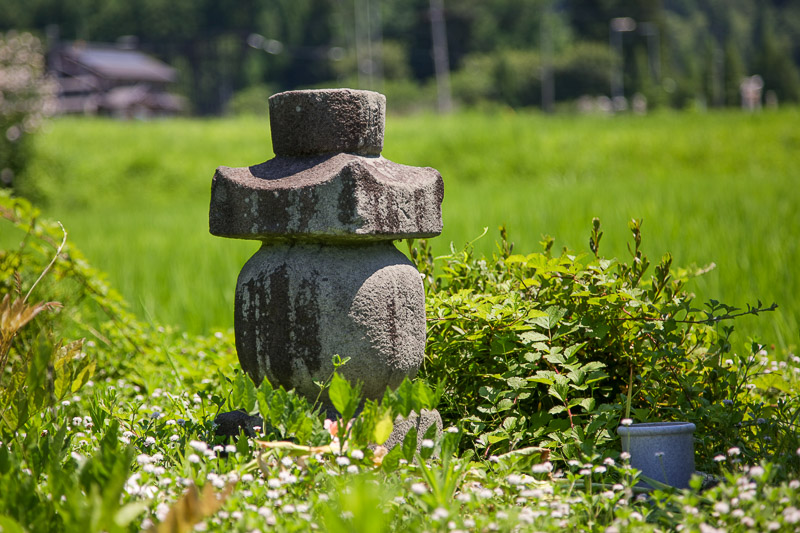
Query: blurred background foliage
point(230, 53)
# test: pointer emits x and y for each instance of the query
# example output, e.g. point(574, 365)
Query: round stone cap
point(325, 121)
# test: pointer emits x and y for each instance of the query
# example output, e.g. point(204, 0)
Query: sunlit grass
point(717, 187)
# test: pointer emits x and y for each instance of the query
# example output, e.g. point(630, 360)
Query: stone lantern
point(328, 279)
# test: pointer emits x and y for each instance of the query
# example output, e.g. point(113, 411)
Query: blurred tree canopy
point(681, 52)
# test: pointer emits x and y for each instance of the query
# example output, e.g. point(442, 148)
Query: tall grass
point(719, 187)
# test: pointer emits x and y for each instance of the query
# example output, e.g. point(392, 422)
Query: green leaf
point(529, 337)
point(516, 382)
point(9, 525)
point(383, 428)
point(410, 444)
point(422, 395)
point(392, 459)
point(344, 396)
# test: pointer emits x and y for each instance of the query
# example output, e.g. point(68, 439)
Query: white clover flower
point(419, 489)
point(608, 461)
point(427, 443)
point(342, 460)
point(722, 507)
point(193, 458)
point(149, 441)
point(77, 421)
point(352, 469)
point(463, 497)
point(514, 479)
point(600, 469)
point(247, 478)
point(273, 483)
point(357, 455)
point(440, 513)
point(218, 483)
point(174, 437)
point(756, 471)
point(734, 451)
point(144, 459)
point(230, 448)
point(198, 446)
point(625, 456)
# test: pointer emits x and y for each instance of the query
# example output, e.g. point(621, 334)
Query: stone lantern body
point(328, 279)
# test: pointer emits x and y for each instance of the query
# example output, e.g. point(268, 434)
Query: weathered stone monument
point(327, 279)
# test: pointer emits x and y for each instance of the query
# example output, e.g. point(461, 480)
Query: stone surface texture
point(328, 279)
point(327, 121)
point(421, 422)
point(326, 198)
point(298, 305)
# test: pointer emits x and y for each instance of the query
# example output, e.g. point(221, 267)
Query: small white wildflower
point(174, 438)
point(463, 497)
point(149, 441)
point(342, 460)
point(144, 459)
point(773, 526)
point(514, 479)
point(609, 494)
point(584, 472)
point(440, 513)
point(273, 483)
point(496, 459)
point(419, 489)
point(469, 523)
point(719, 458)
point(218, 449)
point(77, 421)
point(625, 456)
point(608, 461)
point(600, 469)
point(247, 478)
point(794, 484)
point(734, 451)
point(193, 458)
point(756, 471)
point(230, 448)
point(357, 455)
point(659, 455)
point(352, 469)
point(722, 507)
point(626, 421)
point(198, 446)
point(452, 429)
point(617, 487)
point(542, 468)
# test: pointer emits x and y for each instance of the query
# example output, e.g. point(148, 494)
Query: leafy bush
point(545, 349)
point(26, 98)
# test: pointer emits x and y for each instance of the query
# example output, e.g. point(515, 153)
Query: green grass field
point(717, 187)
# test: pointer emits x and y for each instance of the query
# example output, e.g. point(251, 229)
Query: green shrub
point(541, 349)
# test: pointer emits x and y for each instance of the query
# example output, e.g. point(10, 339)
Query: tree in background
point(497, 49)
point(25, 100)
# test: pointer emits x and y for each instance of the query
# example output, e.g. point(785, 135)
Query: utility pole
point(440, 61)
point(548, 83)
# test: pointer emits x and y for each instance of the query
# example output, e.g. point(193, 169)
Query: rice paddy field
point(717, 187)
